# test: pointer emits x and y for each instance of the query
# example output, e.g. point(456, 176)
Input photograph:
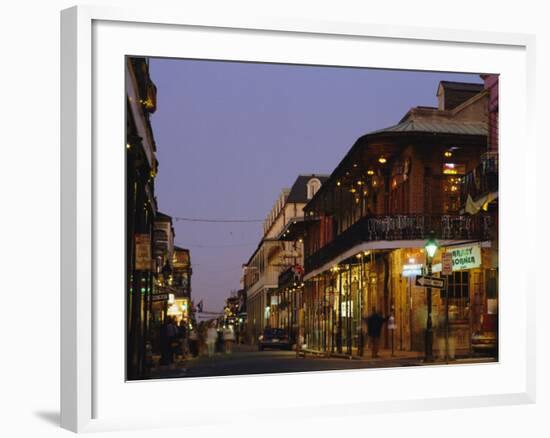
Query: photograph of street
point(296, 218)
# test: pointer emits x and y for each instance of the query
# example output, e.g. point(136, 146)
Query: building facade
point(268, 301)
point(181, 281)
point(366, 227)
point(141, 207)
point(157, 272)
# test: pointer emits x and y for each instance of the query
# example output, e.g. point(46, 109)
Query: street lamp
point(431, 248)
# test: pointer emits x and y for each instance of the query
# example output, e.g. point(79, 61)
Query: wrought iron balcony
point(481, 180)
point(401, 227)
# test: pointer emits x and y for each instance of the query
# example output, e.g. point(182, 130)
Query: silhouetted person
point(172, 335)
point(375, 321)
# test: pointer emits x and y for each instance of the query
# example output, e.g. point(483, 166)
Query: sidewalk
point(399, 358)
point(382, 353)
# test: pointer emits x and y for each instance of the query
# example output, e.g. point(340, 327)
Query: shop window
point(459, 295)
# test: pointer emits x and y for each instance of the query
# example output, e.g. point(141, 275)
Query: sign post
point(447, 270)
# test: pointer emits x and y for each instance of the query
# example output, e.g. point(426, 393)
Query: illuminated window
point(454, 169)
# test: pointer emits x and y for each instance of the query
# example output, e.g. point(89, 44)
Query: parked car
point(274, 338)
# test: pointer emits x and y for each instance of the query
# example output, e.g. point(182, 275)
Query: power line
point(225, 221)
point(198, 245)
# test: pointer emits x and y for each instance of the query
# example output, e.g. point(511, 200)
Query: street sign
point(447, 263)
point(160, 297)
point(435, 282)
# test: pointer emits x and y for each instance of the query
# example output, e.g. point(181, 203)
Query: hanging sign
point(411, 270)
point(143, 252)
point(447, 263)
point(466, 257)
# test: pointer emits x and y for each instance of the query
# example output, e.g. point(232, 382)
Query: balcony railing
point(481, 180)
point(401, 227)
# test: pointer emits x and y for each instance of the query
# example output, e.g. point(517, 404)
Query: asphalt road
point(274, 361)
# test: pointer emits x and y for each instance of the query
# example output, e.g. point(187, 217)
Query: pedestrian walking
point(194, 342)
point(300, 343)
point(164, 343)
point(211, 337)
point(219, 340)
point(375, 321)
point(173, 342)
point(228, 339)
point(203, 329)
point(183, 338)
point(445, 340)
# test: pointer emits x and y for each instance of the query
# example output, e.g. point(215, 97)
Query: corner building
point(366, 227)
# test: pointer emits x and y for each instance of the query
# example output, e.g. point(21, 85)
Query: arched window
point(312, 186)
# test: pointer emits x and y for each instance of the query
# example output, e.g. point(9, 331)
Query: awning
point(379, 244)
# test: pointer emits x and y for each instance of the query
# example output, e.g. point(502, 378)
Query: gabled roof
point(163, 217)
point(298, 191)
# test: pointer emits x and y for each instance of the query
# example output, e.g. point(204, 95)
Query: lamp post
point(431, 248)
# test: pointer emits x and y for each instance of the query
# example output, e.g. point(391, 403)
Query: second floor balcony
point(401, 227)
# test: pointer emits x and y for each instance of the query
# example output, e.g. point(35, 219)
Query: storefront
point(286, 302)
point(337, 301)
point(472, 291)
point(179, 309)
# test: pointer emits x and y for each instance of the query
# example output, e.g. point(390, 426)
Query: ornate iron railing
point(401, 227)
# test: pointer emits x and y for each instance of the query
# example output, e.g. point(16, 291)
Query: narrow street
point(390, 238)
point(248, 360)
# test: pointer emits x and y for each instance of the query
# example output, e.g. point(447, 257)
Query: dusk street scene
point(293, 218)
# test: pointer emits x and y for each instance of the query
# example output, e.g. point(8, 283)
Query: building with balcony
point(164, 291)
point(141, 206)
point(266, 298)
point(365, 228)
point(181, 282)
point(479, 197)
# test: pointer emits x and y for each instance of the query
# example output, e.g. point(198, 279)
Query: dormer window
point(313, 185)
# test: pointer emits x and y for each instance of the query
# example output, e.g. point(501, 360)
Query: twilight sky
point(231, 135)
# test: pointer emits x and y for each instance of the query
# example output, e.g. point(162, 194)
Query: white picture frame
point(86, 403)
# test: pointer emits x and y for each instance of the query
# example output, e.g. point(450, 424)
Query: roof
point(436, 127)
point(298, 191)
point(462, 86)
point(163, 217)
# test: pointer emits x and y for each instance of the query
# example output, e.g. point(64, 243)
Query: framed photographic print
point(325, 217)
